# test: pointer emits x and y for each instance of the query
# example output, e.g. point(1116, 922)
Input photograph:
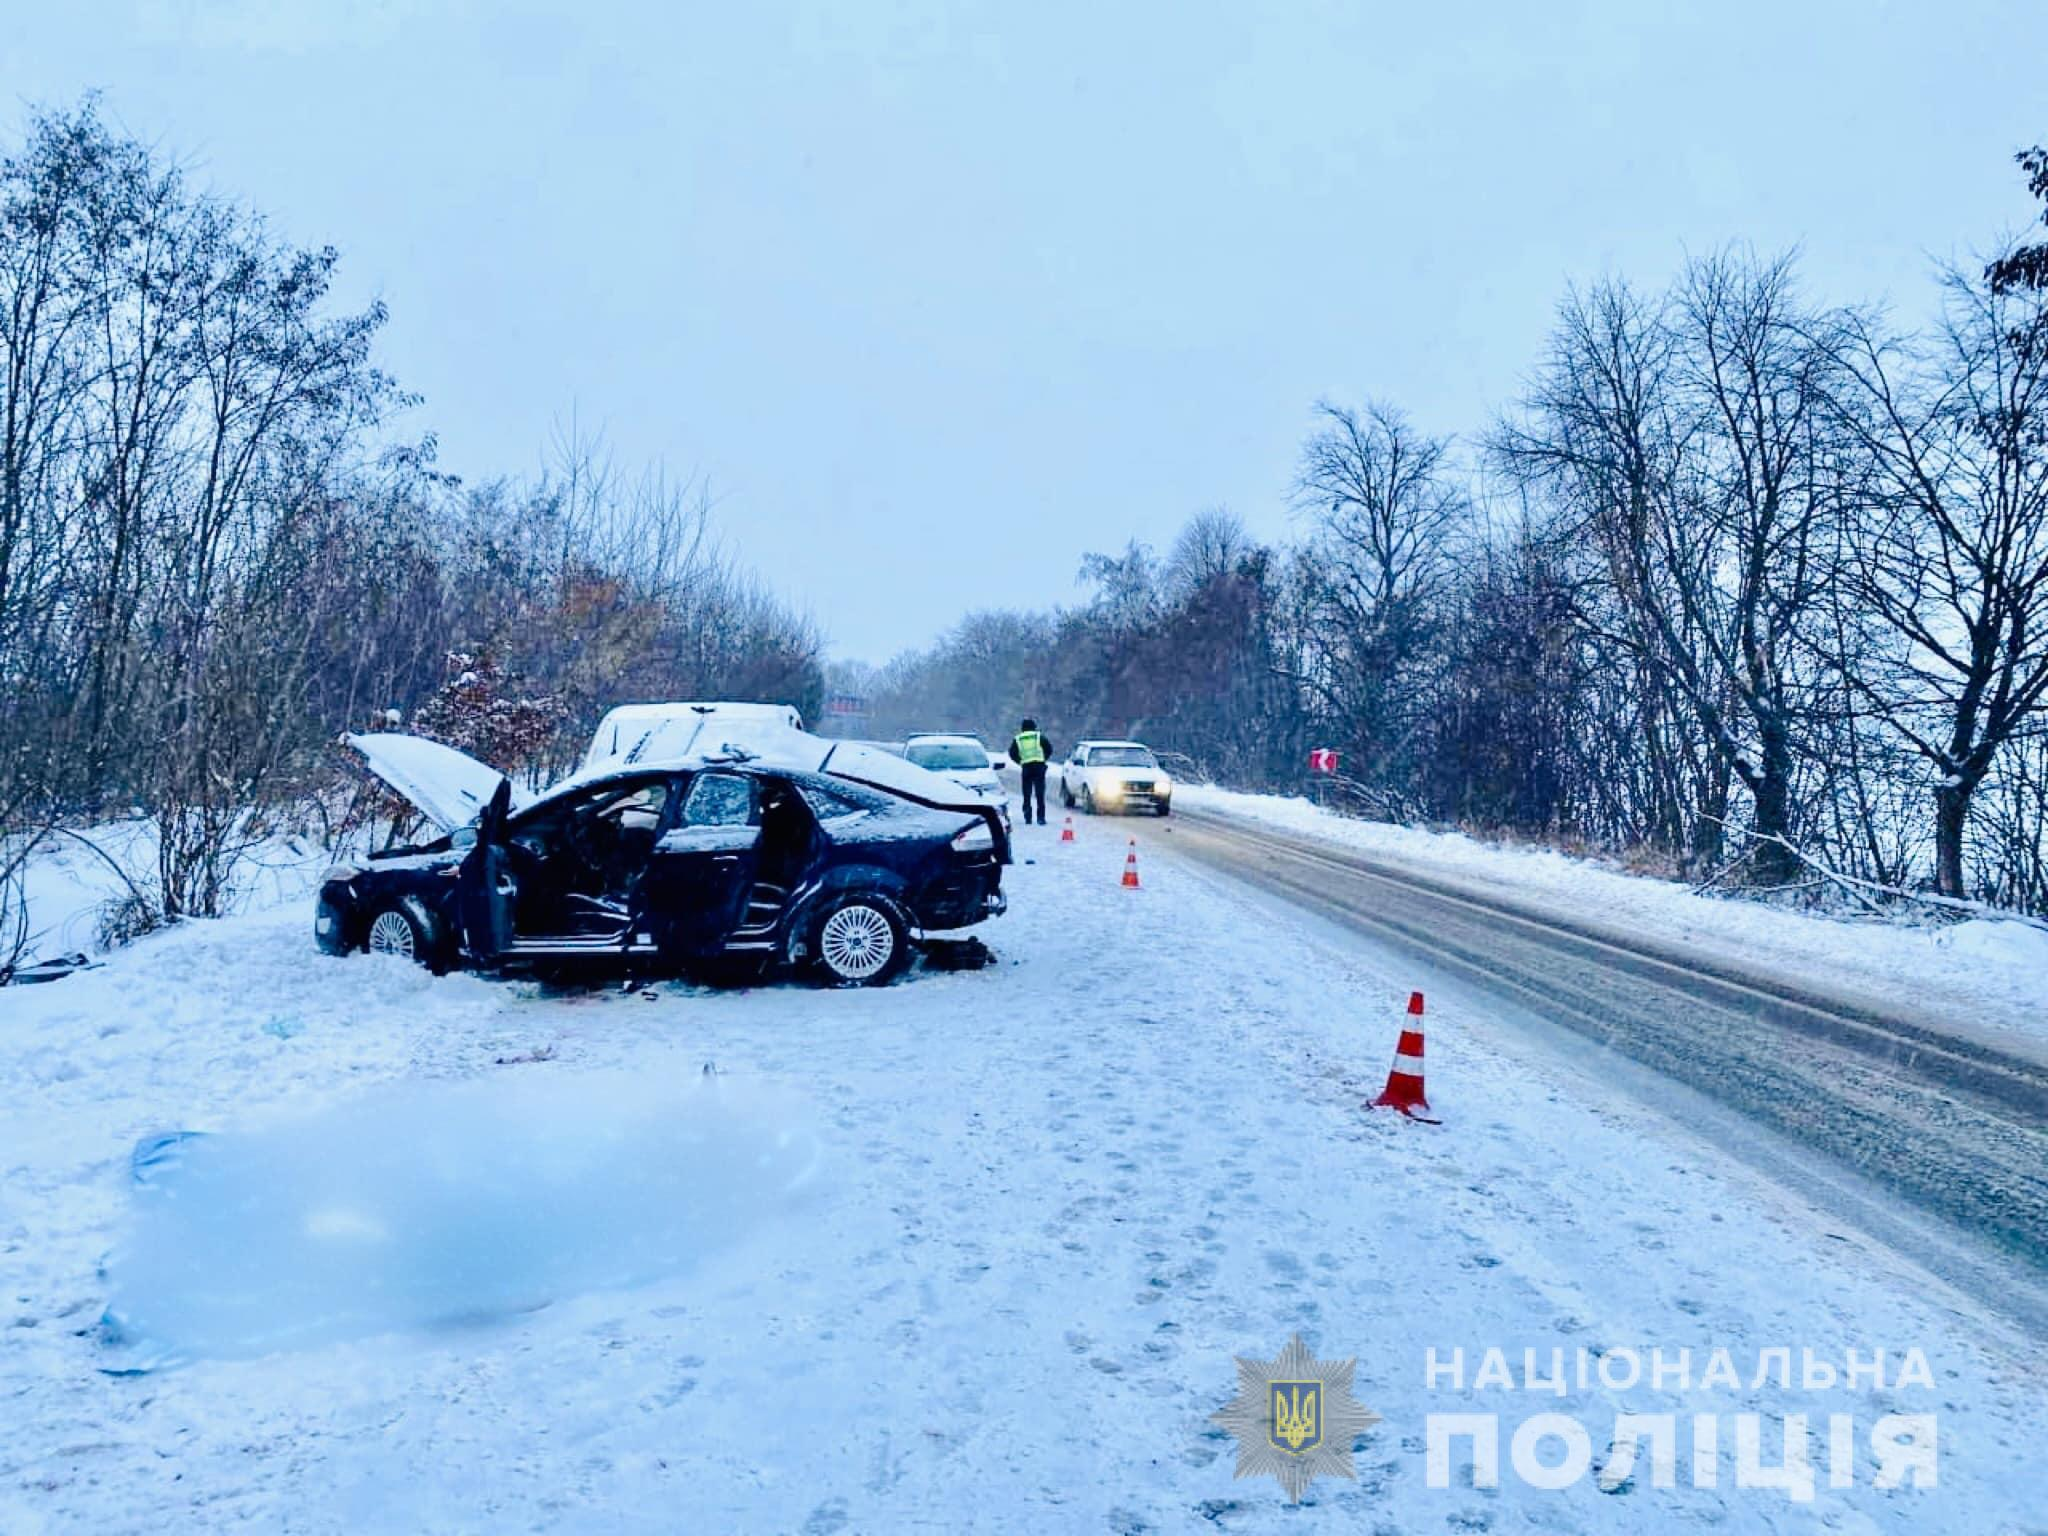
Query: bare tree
point(1685, 440)
point(1387, 515)
point(1950, 565)
point(1209, 548)
point(212, 557)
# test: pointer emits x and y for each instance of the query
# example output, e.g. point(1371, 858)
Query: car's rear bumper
point(962, 898)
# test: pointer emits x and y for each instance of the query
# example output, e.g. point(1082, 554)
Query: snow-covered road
point(1915, 1106)
point(1057, 1198)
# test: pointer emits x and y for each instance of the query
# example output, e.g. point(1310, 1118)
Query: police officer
point(1029, 749)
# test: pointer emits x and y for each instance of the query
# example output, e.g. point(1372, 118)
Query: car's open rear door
point(486, 891)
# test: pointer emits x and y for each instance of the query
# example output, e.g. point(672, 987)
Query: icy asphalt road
point(1059, 1197)
point(1954, 1125)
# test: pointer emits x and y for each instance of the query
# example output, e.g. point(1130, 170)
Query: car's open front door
point(695, 891)
point(485, 890)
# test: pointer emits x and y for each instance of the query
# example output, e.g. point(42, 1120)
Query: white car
point(637, 730)
point(1115, 776)
point(964, 760)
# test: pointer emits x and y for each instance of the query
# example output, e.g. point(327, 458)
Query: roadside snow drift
point(1984, 973)
point(436, 1203)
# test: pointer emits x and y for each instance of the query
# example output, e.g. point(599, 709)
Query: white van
point(627, 732)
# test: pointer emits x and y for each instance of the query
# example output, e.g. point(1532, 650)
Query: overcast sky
point(939, 297)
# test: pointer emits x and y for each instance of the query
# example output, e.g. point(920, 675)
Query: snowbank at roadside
point(1984, 973)
point(72, 878)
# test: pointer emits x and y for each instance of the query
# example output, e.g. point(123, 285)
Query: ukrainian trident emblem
point(1295, 1418)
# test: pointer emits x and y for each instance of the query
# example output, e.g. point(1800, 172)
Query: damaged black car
point(813, 856)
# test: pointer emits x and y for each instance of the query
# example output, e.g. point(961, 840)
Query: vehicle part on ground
point(958, 954)
point(54, 969)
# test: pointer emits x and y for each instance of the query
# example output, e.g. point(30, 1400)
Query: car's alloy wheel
point(857, 942)
point(392, 933)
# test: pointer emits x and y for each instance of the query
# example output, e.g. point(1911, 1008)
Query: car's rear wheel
point(1066, 794)
point(860, 942)
point(406, 928)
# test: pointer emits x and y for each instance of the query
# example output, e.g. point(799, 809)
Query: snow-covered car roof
point(629, 727)
point(967, 736)
point(779, 748)
point(452, 787)
point(1108, 742)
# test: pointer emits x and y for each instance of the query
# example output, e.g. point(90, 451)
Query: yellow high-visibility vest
point(1030, 747)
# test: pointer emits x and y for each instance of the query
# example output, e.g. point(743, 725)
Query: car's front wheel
point(1088, 799)
point(860, 942)
point(404, 927)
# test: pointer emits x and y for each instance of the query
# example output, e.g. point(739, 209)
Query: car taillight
point(975, 839)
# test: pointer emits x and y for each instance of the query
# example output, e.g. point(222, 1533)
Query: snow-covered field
point(1051, 1201)
point(1985, 973)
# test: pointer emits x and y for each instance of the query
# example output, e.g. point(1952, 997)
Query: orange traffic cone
point(1067, 832)
point(1131, 867)
point(1404, 1079)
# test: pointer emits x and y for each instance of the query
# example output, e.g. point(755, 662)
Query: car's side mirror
point(462, 837)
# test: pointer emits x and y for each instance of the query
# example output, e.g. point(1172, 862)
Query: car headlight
point(1162, 785)
point(975, 839)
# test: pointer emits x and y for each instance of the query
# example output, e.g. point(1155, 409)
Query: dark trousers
point(1033, 775)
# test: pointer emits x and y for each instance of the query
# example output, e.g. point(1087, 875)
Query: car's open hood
point(448, 787)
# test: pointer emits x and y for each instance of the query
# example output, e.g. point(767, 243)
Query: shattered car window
point(641, 808)
point(719, 800)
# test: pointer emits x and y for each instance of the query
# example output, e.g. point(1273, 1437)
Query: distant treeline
point(217, 552)
point(1746, 583)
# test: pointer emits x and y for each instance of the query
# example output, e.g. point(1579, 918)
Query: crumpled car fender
point(890, 888)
